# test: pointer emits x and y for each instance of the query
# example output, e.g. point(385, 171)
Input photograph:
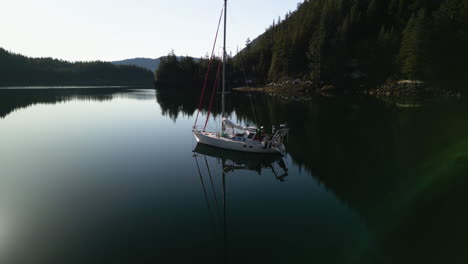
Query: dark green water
point(110, 176)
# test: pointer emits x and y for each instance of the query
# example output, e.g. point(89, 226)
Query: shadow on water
point(402, 169)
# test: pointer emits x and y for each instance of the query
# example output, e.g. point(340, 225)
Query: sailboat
point(236, 137)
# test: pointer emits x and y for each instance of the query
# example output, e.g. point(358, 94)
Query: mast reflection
point(230, 162)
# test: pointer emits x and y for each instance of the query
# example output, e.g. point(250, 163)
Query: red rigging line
point(208, 70)
point(215, 88)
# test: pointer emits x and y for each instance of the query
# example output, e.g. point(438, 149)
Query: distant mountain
point(146, 63)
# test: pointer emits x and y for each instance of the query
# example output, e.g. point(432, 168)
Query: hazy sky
point(120, 29)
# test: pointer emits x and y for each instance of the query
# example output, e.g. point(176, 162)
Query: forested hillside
point(18, 70)
point(362, 41)
point(186, 72)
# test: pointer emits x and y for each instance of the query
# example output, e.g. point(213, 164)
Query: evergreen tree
point(414, 47)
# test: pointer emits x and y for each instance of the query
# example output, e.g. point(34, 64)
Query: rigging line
point(253, 110)
point(212, 185)
point(246, 83)
point(204, 191)
point(243, 69)
point(215, 88)
point(208, 70)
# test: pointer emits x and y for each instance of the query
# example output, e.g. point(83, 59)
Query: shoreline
point(404, 90)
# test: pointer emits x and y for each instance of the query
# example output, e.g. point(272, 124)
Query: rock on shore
point(293, 89)
point(409, 89)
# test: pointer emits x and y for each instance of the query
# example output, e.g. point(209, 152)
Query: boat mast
point(224, 66)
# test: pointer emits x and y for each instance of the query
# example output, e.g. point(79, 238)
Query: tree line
point(187, 72)
point(19, 70)
point(356, 42)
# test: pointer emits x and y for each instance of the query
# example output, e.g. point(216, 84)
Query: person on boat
point(259, 135)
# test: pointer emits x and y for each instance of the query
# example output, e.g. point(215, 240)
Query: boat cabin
point(248, 135)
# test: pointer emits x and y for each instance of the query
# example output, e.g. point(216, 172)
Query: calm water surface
point(111, 176)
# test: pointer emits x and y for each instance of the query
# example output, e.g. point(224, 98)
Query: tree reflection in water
point(402, 169)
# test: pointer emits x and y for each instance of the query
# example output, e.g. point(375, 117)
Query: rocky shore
point(409, 90)
point(296, 90)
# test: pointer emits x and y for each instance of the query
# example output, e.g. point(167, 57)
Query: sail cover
point(230, 124)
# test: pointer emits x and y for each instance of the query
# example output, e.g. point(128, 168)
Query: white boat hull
point(212, 139)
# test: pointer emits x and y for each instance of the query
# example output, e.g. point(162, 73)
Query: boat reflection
point(236, 161)
point(230, 162)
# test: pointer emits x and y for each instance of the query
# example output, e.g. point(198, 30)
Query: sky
point(107, 30)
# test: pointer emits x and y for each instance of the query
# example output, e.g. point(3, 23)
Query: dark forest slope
point(18, 70)
point(341, 42)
